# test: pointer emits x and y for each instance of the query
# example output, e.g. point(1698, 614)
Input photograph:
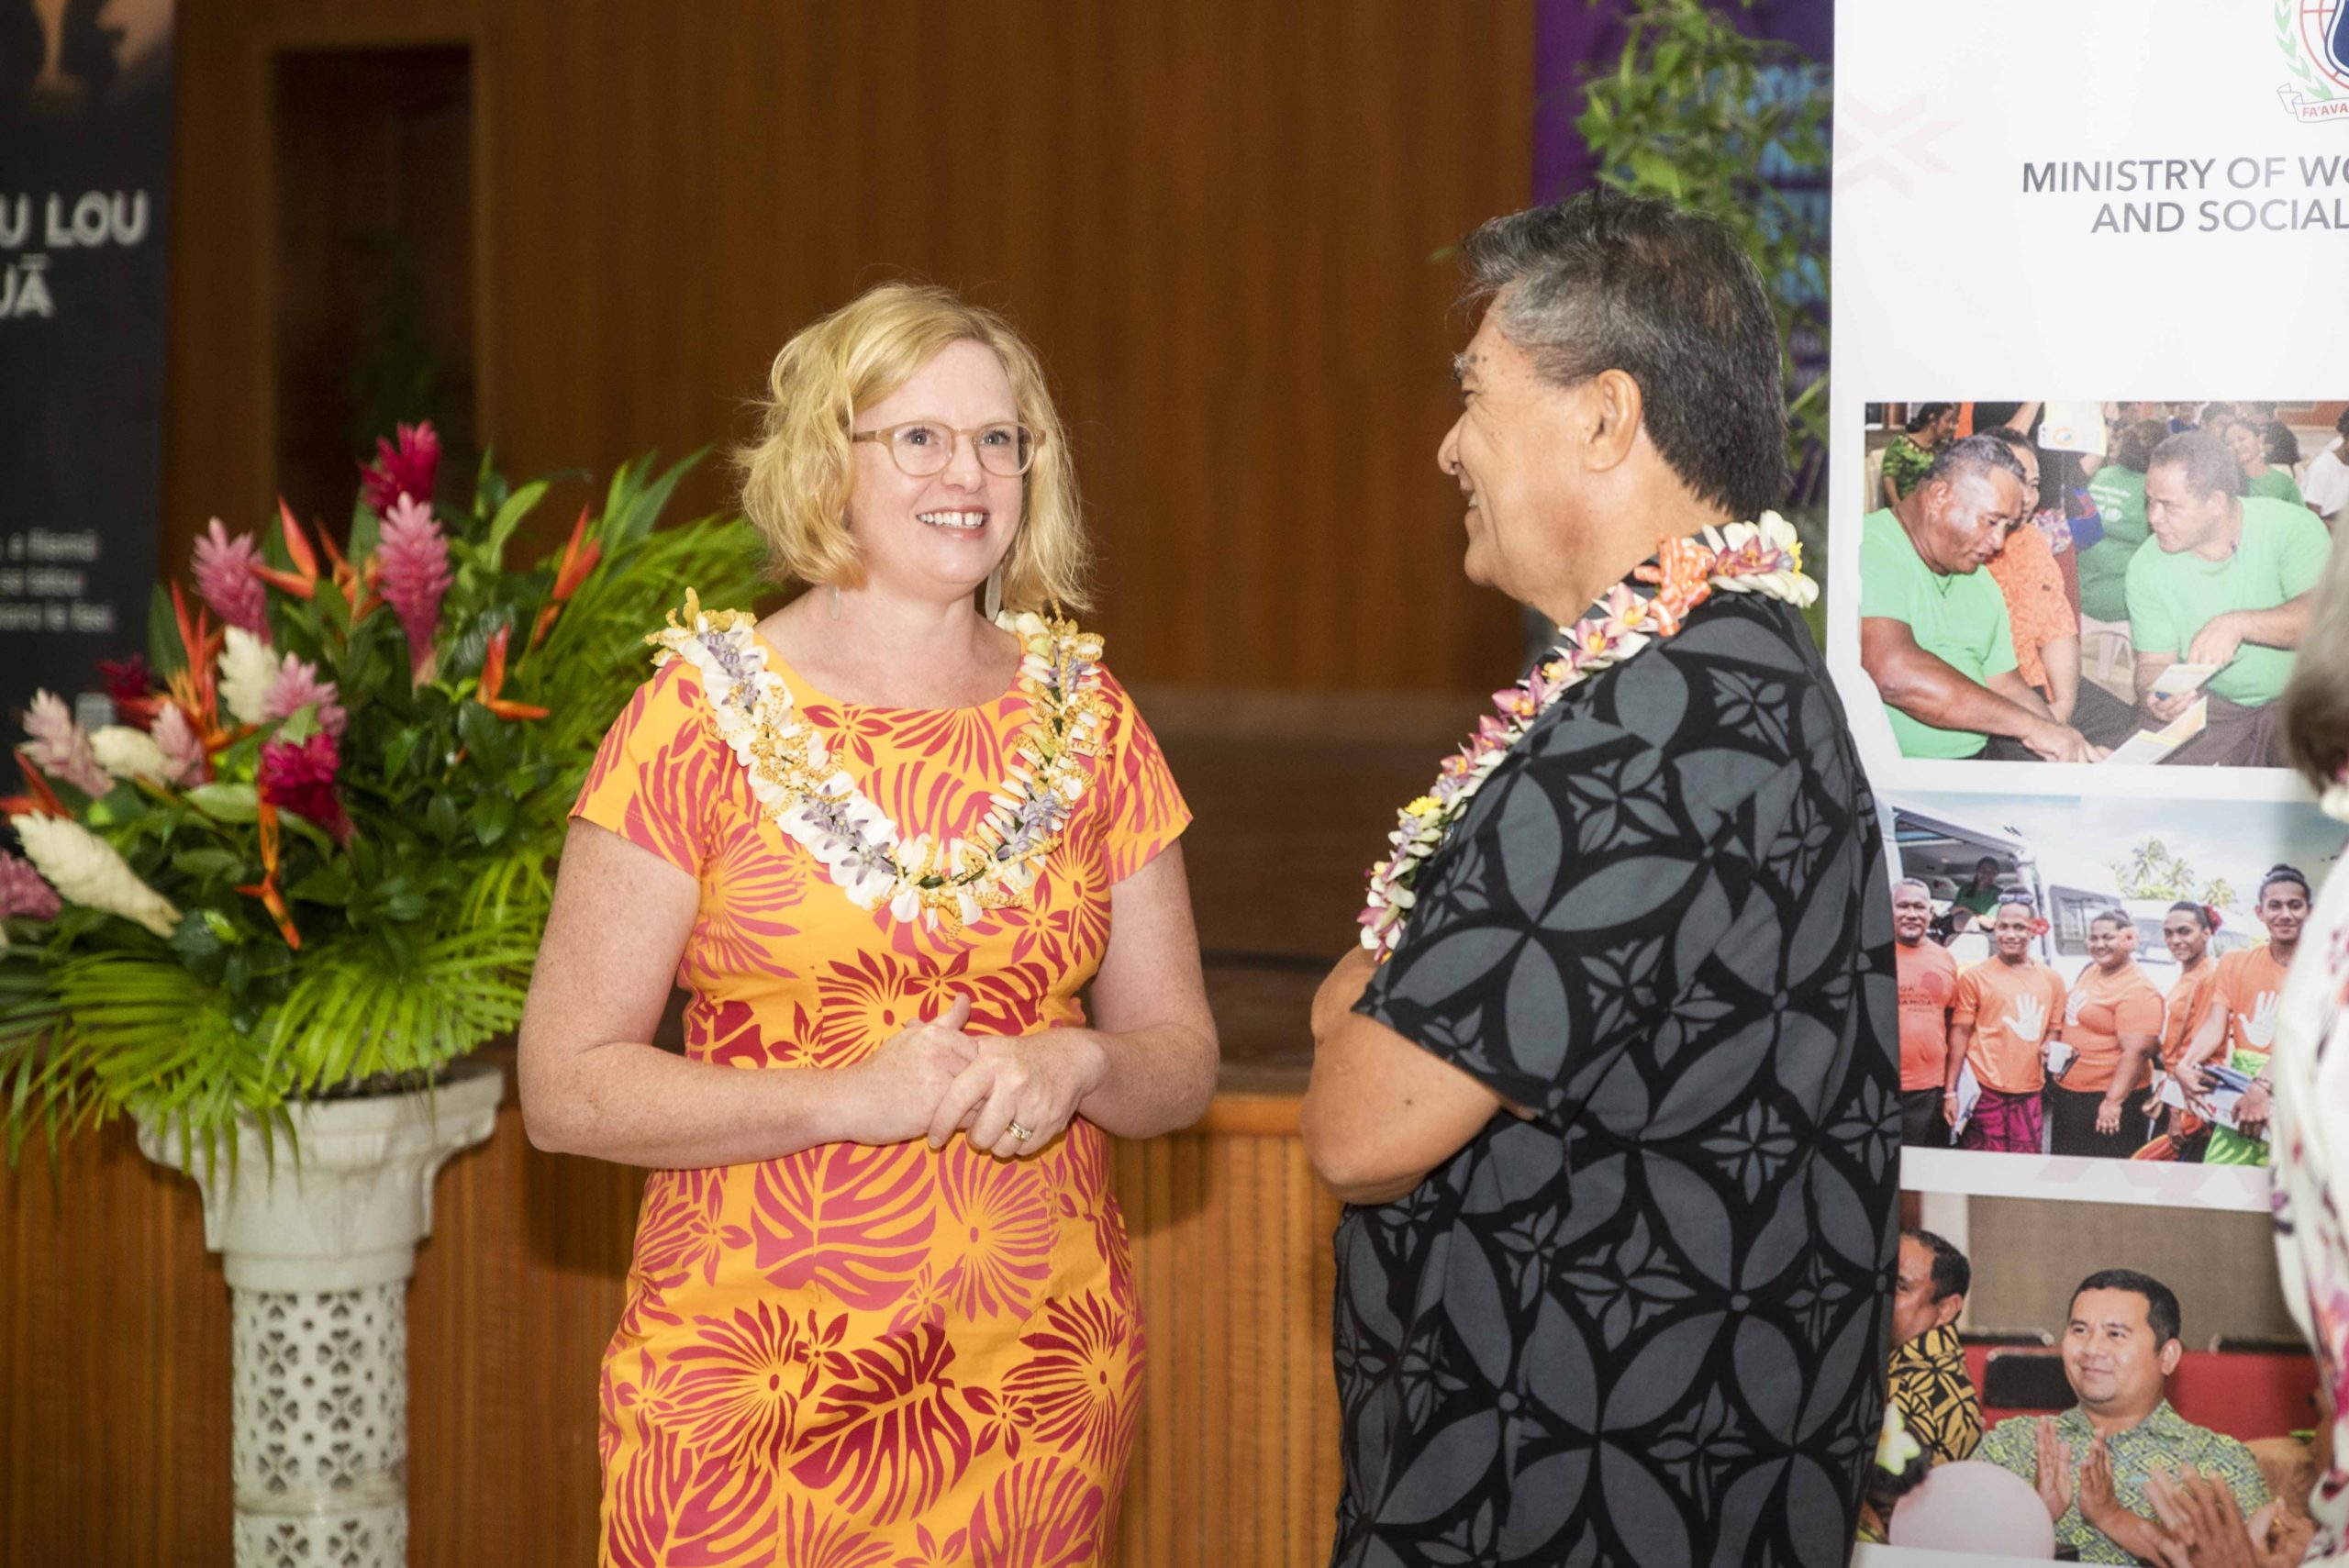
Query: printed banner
point(85, 120)
point(2087, 457)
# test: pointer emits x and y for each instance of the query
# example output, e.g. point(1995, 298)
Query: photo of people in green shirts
point(2117, 582)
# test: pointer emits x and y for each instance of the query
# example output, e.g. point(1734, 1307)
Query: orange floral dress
point(873, 1357)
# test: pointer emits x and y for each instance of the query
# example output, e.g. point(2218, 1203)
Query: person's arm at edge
point(2136, 1050)
point(2208, 1035)
point(2061, 657)
point(2282, 627)
point(1150, 1019)
point(592, 1082)
point(1380, 1112)
point(1930, 691)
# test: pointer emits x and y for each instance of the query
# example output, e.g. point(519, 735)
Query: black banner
point(85, 124)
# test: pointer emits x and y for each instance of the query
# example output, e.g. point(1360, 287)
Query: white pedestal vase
point(317, 1262)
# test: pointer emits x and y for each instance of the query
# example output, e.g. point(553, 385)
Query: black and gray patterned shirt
point(1650, 1325)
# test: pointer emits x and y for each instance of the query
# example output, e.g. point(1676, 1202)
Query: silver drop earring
point(835, 601)
point(993, 599)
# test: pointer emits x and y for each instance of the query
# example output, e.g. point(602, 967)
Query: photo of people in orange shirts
point(2094, 978)
point(2229, 1053)
point(2113, 1026)
point(2187, 930)
point(2005, 1023)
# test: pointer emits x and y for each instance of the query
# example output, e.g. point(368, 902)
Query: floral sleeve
point(655, 778)
point(1142, 810)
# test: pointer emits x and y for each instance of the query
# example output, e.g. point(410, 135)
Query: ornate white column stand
point(317, 1264)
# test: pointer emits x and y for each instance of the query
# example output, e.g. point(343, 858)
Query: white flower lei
point(1764, 557)
point(813, 800)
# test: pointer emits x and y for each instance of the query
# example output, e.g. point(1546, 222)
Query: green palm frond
point(353, 1016)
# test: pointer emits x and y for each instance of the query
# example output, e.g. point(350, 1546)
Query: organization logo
point(2314, 36)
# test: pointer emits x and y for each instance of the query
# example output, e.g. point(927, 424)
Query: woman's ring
point(1022, 1133)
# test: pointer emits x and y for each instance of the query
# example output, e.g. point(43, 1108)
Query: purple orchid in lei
point(740, 693)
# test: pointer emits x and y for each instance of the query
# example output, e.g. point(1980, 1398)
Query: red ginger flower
point(406, 469)
point(415, 574)
point(132, 686)
point(225, 579)
point(299, 777)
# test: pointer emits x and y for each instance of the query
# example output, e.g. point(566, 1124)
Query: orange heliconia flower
point(266, 889)
point(493, 681)
point(579, 558)
point(303, 581)
point(38, 799)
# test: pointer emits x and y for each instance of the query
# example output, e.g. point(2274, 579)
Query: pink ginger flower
point(404, 470)
point(180, 743)
point(225, 580)
point(61, 748)
point(413, 557)
point(300, 778)
point(297, 686)
point(24, 892)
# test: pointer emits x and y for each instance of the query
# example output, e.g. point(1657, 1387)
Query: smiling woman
point(882, 1305)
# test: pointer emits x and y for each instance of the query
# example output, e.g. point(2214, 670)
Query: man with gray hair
point(1933, 631)
point(1617, 1114)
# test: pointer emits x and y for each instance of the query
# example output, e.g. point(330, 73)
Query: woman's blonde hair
point(797, 473)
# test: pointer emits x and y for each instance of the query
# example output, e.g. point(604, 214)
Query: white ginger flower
point(85, 870)
point(248, 672)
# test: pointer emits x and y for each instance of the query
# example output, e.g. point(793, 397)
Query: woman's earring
point(995, 594)
point(835, 601)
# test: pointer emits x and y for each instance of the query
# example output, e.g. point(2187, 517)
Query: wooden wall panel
point(114, 1355)
point(1216, 219)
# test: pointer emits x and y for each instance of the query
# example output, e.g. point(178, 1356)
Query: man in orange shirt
point(2112, 1021)
point(2186, 931)
point(1928, 984)
point(2248, 986)
point(2004, 1011)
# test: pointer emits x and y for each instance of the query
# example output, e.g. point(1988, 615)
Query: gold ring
point(1022, 1133)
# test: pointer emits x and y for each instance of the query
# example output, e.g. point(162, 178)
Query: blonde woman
point(881, 1307)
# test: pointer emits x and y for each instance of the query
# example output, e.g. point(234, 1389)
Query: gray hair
point(1976, 454)
point(1920, 884)
point(1609, 280)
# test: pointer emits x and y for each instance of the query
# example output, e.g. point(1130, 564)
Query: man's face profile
point(1912, 912)
point(1914, 1311)
point(1507, 451)
point(2180, 519)
point(2110, 1356)
point(1965, 519)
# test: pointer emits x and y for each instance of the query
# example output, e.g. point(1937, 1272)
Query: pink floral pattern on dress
point(857, 1357)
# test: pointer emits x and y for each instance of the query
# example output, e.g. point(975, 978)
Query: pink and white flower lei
point(1763, 557)
point(813, 800)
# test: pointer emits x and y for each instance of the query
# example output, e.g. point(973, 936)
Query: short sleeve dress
point(857, 1355)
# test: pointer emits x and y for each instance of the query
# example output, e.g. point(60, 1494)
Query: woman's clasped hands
point(1010, 1094)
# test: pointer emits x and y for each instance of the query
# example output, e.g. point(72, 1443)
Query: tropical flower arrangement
point(1764, 557)
point(313, 854)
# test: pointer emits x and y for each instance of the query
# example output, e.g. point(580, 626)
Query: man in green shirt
point(2230, 583)
point(2090, 1463)
point(1933, 631)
